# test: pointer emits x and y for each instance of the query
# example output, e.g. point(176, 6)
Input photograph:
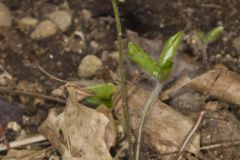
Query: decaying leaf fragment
point(165, 129)
point(220, 83)
point(223, 84)
point(79, 132)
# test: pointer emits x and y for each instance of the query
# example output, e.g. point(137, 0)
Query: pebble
point(85, 15)
point(5, 16)
point(44, 30)
point(28, 22)
point(63, 19)
point(89, 66)
point(5, 77)
point(236, 44)
point(114, 55)
point(14, 126)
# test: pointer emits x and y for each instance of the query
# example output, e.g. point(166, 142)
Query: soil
point(92, 32)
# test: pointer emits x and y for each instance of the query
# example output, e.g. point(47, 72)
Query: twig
point(26, 141)
point(49, 75)
point(152, 157)
point(122, 81)
point(32, 94)
point(189, 137)
point(223, 144)
point(152, 99)
point(211, 6)
point(33, 156)
point(120, 151)
point(206, 147)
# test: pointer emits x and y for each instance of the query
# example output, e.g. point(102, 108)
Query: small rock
point(44, 29)
point(5, 16)
point(63, 19)
point(13, 125)
point(236, 44)
point(58, 92)
point(114, 55)
point(5, 77)
point(85, 15)
point(89, 66)
point(28, 22)
point(94, 45)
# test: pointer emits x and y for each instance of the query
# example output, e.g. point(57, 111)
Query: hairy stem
point(152, 99)
point(204, 55)
point(122, 81)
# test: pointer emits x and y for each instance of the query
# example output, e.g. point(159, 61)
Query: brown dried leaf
point(79, 132)
point(223, 84)
point(220, 83)
point(161, 125)
point(19, 154)
point(110, 137)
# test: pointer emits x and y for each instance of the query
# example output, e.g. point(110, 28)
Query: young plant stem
point(151, 101)
point(205, 56)
point(122, 81)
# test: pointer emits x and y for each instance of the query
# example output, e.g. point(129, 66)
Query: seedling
point(159, 69)
point(211, 36)
point(207, 38)
point(102, 94)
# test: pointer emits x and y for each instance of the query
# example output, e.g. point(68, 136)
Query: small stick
point(37, 153)
point(26, 141)
point(122, 81)
point(32, 94)
point(219, 145)
point(152, 99)
point(206, 147)
point(49, 75)
point(187, 140)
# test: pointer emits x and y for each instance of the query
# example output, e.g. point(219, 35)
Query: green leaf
point(103, 90)
point(143, 59)
point(96, 101)
point(214, 34)
point(168, 53)
point(202, 36)
point(122, 1)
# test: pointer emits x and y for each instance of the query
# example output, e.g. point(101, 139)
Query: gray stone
point(89, 66)
point(44, 29)
point(236, 44)
point(5, 16)
point(63, 19)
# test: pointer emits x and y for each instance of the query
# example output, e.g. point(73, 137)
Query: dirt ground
point(91, 31)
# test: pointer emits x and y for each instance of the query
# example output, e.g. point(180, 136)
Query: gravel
point(63, 19)
point(5, 16)
point(44, 30)
point(89, 66)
